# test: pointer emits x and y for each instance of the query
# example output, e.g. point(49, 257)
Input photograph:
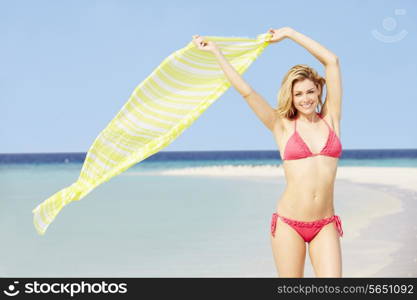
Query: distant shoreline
point(401, 177)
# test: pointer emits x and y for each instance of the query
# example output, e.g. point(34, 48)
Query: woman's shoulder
point(331, 120)
point(283, 123)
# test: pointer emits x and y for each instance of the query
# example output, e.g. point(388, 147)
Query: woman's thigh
point(325, 252)
point(289, 251)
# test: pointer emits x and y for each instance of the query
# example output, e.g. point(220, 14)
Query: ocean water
point(177, 159)
point(151, 221)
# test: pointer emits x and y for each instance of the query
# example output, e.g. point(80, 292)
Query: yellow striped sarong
point(160, 108)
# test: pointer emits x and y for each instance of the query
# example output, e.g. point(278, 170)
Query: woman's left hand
point(279, 34)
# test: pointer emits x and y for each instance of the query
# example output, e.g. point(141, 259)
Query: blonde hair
point(286, 108)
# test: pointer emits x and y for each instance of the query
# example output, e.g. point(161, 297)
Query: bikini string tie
point(274, 223)
point(338, 225)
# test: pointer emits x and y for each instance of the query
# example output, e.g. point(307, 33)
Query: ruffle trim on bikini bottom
point(317, 223)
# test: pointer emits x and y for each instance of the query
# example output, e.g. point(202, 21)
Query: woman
point(309, 147)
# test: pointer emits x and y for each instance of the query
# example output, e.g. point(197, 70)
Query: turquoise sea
point(147, 223)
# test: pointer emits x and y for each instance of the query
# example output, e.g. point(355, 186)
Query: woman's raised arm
point(324, 55)
point(256, 102)
point(333, 102)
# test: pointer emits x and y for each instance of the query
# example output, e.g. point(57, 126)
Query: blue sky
point(67, 67)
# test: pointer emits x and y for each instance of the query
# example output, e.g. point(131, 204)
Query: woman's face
point(305, 96)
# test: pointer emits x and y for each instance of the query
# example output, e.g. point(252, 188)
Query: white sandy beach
point(382, 202)
point(405, 178)
point(400, 177)
point(176, 223)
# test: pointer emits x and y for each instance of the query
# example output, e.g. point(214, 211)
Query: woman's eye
point(308, 93)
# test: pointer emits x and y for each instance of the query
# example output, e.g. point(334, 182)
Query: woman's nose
point(310, 97)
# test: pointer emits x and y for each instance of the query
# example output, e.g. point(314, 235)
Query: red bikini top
point(296, 148)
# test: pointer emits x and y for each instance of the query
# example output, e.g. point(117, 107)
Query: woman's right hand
point(201, 44)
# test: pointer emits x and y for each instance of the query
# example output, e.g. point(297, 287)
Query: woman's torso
point(308, 194)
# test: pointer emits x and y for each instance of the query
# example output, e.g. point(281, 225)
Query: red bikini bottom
point(307, 230)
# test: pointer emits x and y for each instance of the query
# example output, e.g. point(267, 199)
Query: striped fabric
point(160, 108)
